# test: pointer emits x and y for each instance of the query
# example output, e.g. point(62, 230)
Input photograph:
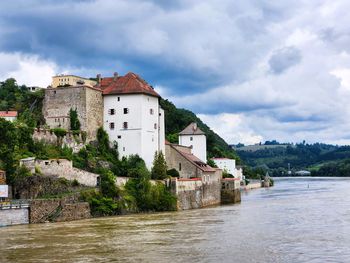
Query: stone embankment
point(57, 210)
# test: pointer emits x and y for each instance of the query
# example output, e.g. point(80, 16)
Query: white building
point(229, 165)
point(9, 115)
point(132, 116)
point(194, 137)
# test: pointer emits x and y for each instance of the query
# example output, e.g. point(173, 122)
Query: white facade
point(239, 173)
point(226, 164)
point(198, 142)
point(12, 119)
point(230, 166)
point(136, 123)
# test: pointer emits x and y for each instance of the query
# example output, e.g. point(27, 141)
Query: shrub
point(173, 173)
point(59, 132)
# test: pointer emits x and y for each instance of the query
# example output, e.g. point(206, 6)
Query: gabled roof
point(8, 113)
point(131, 83)
point(194, 160)
point(192, 129)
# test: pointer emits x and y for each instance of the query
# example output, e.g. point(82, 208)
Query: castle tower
point(194, 137)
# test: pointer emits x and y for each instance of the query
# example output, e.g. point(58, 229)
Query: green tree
point(74, 121)
point(159, 169)
point(8, 142)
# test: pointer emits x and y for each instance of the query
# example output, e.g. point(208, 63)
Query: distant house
point(192, 136)
point(34, 88)
point(71, 80)
point(303, 173)
point(9, 115)
point(229, 165)
point(132, 116)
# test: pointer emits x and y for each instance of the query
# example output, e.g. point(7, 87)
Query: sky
point(252, 70)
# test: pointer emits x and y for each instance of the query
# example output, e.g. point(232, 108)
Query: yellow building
point(72, 80)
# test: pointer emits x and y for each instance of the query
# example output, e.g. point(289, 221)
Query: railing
point(14, 204)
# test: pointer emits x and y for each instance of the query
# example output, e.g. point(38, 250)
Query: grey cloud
point(283, 59)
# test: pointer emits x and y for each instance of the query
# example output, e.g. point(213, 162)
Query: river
point(297, 220)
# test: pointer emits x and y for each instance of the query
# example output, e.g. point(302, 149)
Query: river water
point(298, 220)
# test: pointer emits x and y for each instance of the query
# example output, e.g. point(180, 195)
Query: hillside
point(177, 119)
point(313, 157)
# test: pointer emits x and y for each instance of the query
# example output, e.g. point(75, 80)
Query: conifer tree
point(159, 169)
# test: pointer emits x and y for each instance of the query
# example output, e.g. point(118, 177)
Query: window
point(125, 125)
point(191, 138)
point(126, 110)
point(118, 98)
point(111, 125)
point(151, 111)
point(123, 149)
point(111, 111)
point(179, 166)
point(155, 126)
point(54, 92)
point(119, 136)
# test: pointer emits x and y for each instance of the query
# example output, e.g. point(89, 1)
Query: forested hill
point(321, 159)
point(177, 119)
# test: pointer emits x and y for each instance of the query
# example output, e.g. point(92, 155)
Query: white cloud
point(26, 69)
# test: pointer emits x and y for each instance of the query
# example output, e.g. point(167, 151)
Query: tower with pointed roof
point(132, 116)
point(193, 136)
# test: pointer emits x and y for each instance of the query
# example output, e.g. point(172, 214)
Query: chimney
point(115, 75)
point(98, 77)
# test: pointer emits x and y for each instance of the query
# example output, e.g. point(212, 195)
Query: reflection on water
point(298, 220)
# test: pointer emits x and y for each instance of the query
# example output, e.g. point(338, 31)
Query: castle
point(127, 107)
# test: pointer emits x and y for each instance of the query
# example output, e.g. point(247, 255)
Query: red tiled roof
point(8, 113)
point(131, 83)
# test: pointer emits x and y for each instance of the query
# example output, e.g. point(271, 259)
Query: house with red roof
point(9, 115)
point(132, 115)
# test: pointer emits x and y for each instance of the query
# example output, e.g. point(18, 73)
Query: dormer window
point(111, 111)
point(126, 110)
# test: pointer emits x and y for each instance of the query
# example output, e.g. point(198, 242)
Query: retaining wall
point(57, 210)
point(14, 216)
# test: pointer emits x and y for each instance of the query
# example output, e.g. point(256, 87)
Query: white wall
point(198, 143)
point(9, 118)
point(142, 136)
point(226, 164)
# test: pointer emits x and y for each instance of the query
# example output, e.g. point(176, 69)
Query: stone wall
point(174, 159)
point(57, 210)
point(194, 193)
point(61, 168)
point(230, 191)
point(86, 100)
point(254, 184)
point(14, 216)
point(75, 142)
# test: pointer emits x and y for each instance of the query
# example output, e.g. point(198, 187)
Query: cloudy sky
point(252, 70)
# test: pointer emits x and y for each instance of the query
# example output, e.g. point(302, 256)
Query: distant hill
point(177, 119)
point(312, 157)
point(257, 147)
